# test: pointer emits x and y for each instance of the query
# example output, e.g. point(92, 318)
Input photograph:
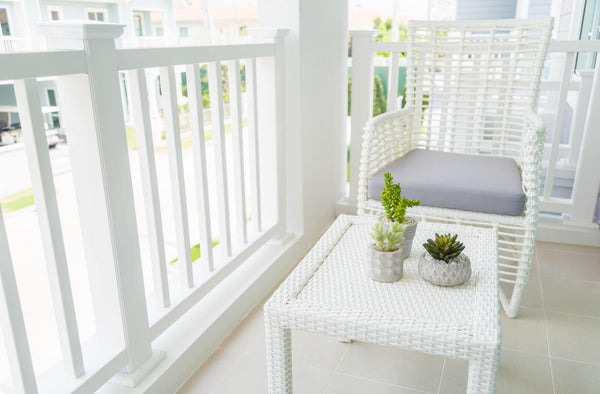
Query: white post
point(271, 114)
point(208, 23)
point(555, 11)
point(578, 125)
point(396, 21)
point(587, 177)
point(522, 9)
point(362, 99)
point(170, 26)
point(91, 105)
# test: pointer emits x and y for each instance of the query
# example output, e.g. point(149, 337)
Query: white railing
point(13, 44)
point(575, 161)
point(128, 320)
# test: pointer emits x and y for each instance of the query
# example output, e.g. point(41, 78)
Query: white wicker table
point(329, 292)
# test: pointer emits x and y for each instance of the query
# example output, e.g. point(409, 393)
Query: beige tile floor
point(552, 347)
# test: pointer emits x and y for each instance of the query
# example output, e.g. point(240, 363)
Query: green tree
point(385, 33)
point(379, 100)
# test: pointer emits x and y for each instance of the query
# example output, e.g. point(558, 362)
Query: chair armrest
point(534, 133)
point(386, 137)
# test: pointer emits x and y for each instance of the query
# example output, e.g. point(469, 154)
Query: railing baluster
point(216, 107)
point(198, 147)
point(36, 148)
point(143, 131)
point(182, 232)
point(392, 96)
point(12, 323)
point(253, 144)
point(558, 122)
point(235, 104)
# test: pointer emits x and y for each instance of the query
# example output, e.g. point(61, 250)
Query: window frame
point(59, 12)
point(96, 11)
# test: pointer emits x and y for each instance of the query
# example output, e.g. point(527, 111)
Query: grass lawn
point(196, 251)
point(17, 201)
point(131, 138)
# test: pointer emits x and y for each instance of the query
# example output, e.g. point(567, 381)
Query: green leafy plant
point(445, 247)
point(388, 241)
point(391, 198)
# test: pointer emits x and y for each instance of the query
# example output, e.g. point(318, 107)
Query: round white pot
point(385, 266)
point(457, 271)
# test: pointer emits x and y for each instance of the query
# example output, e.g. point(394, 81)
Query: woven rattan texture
point(471, 88)
point(330, 292)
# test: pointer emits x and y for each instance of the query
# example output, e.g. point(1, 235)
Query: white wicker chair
point(471, 87)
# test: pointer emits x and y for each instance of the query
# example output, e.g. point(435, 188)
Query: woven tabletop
point(330, 291)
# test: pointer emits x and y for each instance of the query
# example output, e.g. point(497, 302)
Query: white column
point(91, 105)
point(315, 106)
point(170, 26)
point(32, 13)
point(362, 99)
point(523, 9)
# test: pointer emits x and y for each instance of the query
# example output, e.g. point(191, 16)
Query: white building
point(20, 21)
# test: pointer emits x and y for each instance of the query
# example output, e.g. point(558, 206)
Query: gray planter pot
point(385, 266)
point(409, 233)
point(440, 273)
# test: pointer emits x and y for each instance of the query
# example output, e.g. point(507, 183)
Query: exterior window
point(96, 16)
point(160, 32)
point(5, 28)
point(51, 97)
point(55, 118)
point(55, 13)
point(184, 31)
point(590, 25)
point(137, 24)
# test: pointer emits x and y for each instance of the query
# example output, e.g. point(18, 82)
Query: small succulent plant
point(394, 204)
point(388, 241)
point(445, 247)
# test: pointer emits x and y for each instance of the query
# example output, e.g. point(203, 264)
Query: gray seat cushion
point(452, 180)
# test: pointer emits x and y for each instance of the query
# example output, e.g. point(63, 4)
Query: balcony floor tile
point(551, 347)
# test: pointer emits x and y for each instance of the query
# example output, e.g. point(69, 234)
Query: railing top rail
point(66, 62)
point(128, 59)
point(41, 64)
point(574, 46)
point(555, 46)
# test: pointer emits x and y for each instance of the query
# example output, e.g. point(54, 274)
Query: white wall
point(485, 9)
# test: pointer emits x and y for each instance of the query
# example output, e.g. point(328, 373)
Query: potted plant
point(395, 210)
point(385, 255)
point(443, 263)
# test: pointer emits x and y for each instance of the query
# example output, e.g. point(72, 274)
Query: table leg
point(482, 373)
point(279, 357)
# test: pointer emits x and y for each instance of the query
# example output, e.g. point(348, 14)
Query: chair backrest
point(473, 81)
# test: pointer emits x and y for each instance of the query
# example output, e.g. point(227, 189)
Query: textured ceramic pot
point(409, 233)
point(457, 271)
point(385, 266)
